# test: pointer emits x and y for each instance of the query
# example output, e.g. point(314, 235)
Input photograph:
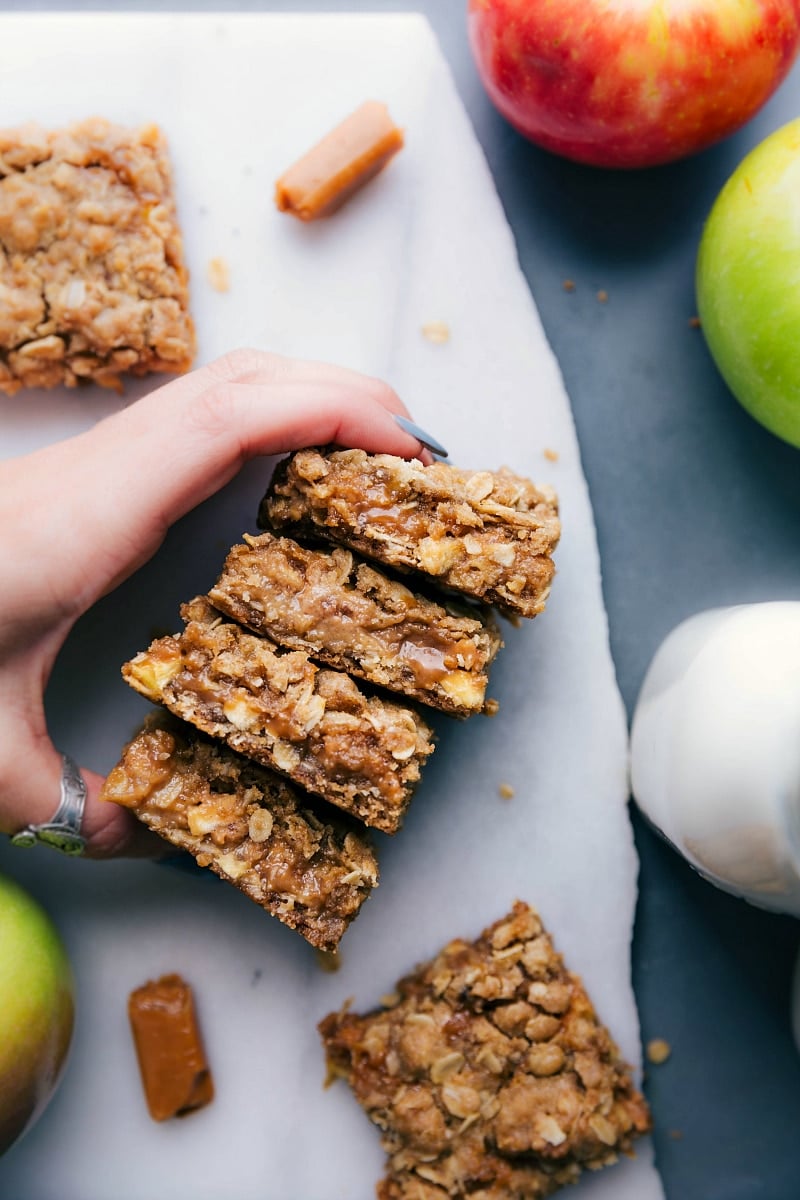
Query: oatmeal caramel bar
point(315, 726)
point(487, 534)
point(489, 1072)
point(336, 167)
point(312, 869)
point(92, 276)
point(350, 616)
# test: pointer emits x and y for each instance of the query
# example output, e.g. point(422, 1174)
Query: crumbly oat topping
point(92, 274)
point(351, 616)
point(488, 1072)
point(313, 725)
point(489, 535)
point(305, 864)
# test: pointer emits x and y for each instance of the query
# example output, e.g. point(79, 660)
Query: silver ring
point(63, 830)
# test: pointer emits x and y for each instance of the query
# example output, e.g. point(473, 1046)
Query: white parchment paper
point(240, 96)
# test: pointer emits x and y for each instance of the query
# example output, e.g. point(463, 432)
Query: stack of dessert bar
point(291, 698)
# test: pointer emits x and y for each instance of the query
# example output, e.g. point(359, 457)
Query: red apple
point(631, 83)
point(36, 1011)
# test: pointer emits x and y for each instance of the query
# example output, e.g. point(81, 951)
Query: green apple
point(36, 1010)
point(748, 282)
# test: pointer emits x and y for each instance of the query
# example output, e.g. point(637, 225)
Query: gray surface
point(695, 506)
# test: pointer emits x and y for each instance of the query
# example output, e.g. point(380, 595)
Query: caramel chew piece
point(351, 616)
point(346, 158)
point(315, 726)
point(172, 1061)
point(489, 1072)
point(92, 274)
point(488, 534)
point(305, 863)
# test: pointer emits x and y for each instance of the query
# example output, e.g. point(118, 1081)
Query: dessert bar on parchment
point(349, 615)
point(316, 726)
point(92, 276)
point(489, 535)
point(488, 1072)
point(306, 864)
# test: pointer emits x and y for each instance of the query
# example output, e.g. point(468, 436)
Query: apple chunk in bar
point(92, 274)
point(305, 863)
point(351, 616)
point(348, 157)
point(487, 534)
point(275, 706)
point(489, 1072)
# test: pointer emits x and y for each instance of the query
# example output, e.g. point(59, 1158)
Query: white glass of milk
point(715, 751)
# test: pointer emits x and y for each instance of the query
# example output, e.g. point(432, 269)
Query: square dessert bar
point(348, 615)
point(311, 870)
point(315, 726)
point(487, 534)
point(92, 275)
point(489, 1072)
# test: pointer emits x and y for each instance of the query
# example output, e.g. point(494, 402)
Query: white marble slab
point(240, 96)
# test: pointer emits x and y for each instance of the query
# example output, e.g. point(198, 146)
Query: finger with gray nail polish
point(429, 442)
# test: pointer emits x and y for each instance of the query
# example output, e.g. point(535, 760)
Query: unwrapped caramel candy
point(175, 1075)
point(346, 158)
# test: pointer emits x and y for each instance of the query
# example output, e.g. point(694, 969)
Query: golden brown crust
point(315, 726)
point(304, 863)
point(489, 535)
point(350, 616)
point(489, 1073)
point(92, 274)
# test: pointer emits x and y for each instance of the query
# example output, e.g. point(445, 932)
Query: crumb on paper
point(694, 322)
point(602, 296)
point(505, 791)
point(437, 332)
point(550, 455)
point(219, 275)
point(568, 285)
point(329, 960)
point(491, 708)
point(658, 1051)
point(676, 1134)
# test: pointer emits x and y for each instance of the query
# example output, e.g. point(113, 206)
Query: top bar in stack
point(350, 616)
point(315, 726)
point(489, 535)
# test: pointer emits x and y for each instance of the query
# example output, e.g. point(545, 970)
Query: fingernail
point(421, 436)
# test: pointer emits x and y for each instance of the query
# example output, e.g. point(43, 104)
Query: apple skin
point(748, 282)
point(36, 1011)
point(631, 83)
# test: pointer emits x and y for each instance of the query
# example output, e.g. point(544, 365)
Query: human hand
point(119, 488)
